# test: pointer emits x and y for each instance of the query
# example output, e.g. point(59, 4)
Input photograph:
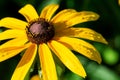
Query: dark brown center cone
point(40, 31)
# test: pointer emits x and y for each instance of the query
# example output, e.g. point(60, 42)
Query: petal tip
point(84, 75)
point(27, 5)
point(99, 61)
point(106, 42)
point(29, 12)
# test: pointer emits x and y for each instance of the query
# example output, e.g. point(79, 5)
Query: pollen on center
point(40, 31)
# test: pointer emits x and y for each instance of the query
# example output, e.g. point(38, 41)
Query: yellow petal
point(25, 63)
point(13, 23)
point(8, 52)
point(63, 15)
point(80, 17)
point(11, 34)
point(119, 2)
point(47, 63)
point(14, 42)
point(48, 11)
point(67, 57)
point(35, 77)
point(29, 12)
point(84, 33)
point(60, 19)
point(82, 47)
point(70, 17)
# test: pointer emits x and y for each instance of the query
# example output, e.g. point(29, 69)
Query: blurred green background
point(108, 25)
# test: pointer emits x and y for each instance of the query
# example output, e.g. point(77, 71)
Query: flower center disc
point(40, 31)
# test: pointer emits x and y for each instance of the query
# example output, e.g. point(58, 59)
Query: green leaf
point(99, 72)
point(71, 76)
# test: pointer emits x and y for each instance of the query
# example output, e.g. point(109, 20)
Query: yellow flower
point(45, 33)
point(35, 77)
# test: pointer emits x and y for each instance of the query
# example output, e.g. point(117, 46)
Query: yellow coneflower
point(45, 33)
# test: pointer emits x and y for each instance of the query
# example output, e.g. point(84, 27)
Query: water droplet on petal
point(98, 37)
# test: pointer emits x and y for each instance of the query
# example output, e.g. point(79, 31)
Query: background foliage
point(108, 25)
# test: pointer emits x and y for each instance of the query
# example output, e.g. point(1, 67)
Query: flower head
point(45, 33)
